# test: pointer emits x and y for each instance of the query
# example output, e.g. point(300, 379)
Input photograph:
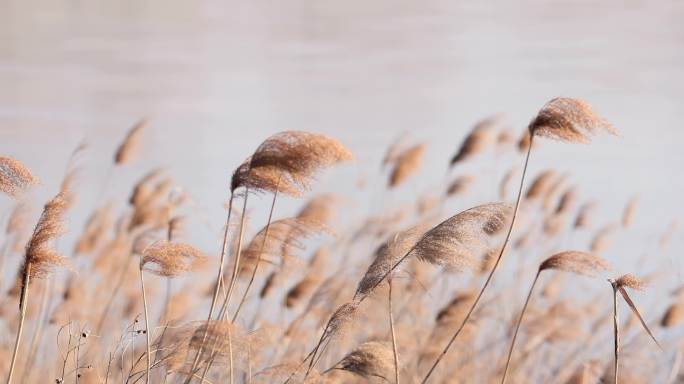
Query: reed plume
point(482, 136)
point(15, 177)
point(164, 258)
point(130, 146)
point(570, 261)
point(371, 359)
point(406, 164)
point(41, 256)
point(674, 315)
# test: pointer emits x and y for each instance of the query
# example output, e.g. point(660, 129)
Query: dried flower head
point(460, 185)
point(406, 164)
point(630, 281)
point(289, 160)
point(576, 262)
point(483, 135)
point(569, 120)
point(457, 242)
point(131, 144)
point(386, 257)
point(673, 316)
point(15, 177)
point(584, 216)
point(41, 255)
point(276, 242)
point(371, 359)
point(166, 258)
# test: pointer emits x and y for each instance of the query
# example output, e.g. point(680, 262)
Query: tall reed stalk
point(517, 328)
point(392, 332)
point(23, 301)
point(231, 285)
point(616, 331)
point(147, 323)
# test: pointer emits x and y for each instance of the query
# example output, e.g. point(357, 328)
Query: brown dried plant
point(372, 359)
point(15, 177)
point(483, 136)
point(569, 120)
point(619, 284)
point(674, 315)
point(286, 162)
point(130, 146)
point(407, 163)
point(580, 263)
point(41, 256)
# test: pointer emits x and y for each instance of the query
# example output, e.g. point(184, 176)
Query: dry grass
point(332, 294)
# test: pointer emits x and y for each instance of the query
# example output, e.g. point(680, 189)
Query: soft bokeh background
point(217, 77)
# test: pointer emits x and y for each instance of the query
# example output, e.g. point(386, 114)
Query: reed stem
point(22, 317)
point(517, 328)
point(147, 324)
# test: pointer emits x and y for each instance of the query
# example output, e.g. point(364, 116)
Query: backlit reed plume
point(565, 119)
point(167, 259)
point(386, 257)
point(15, 177)
point(584, 216)
point(460, 185)
point(130, 146)
point(619, 284)
point(674, 315)
point(483, 136)
point(541, 184)
point(570, 261)
point(41, 256)
point(286, 162)
point(336, 327)
point(370, 360)
point(407, 163)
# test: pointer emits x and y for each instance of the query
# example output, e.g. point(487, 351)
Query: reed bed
point(436, 290)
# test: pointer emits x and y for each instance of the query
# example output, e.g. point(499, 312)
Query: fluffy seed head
point(457, 242)
point(576, 262)
point(371, 359)
point(288, 162)
point(569, 120)
point(167, 258)
point(406, 164)
point(15, 177)
point(131, 144)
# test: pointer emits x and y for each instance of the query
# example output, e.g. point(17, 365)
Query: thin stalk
point(394, 336)
point(231, 285)
point(616, 332)
point(491, 273)
point(37, 334)
point(147, 325)
point(22, 317)
point(251, 279)
point(517, 328)
point(261, 250)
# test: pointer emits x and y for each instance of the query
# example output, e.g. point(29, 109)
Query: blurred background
point(217, 77)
